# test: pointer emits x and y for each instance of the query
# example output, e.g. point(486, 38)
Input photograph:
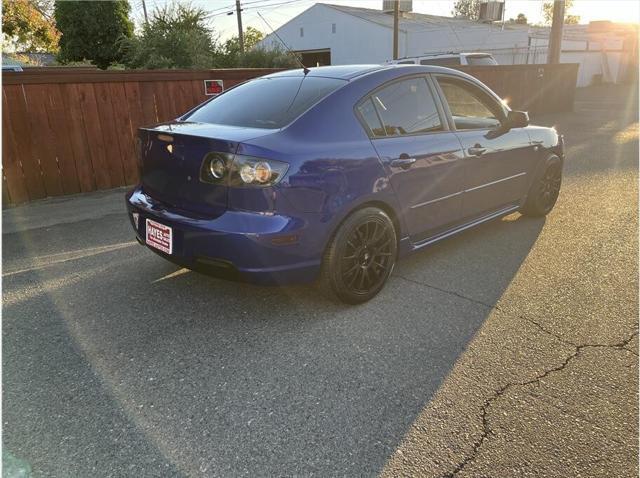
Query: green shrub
point(263, 58)
point(176, 36)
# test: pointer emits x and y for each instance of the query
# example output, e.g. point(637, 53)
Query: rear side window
point(266, 102)
point(368, 112)
point(481, 60)
point(441, 61)
point(407, 107)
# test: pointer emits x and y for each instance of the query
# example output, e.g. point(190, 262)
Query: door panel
point(429, 189)
point(496, 159)
point(496, 177)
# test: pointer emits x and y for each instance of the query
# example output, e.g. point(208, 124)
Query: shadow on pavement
point(120, 361)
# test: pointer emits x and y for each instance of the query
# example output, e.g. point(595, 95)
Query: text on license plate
point(159, 236)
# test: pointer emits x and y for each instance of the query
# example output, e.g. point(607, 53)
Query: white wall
point(355, 40)
point(474, 38)
point(593, 61)
point(360, 41)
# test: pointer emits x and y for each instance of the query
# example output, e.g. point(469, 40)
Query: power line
point(263, 6)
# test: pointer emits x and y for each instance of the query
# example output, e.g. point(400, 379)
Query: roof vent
point(405, 5)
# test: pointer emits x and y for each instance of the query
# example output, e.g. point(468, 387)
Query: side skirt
point(494, 215)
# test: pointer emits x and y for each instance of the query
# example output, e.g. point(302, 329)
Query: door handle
point(403, 163)
point(476, 150)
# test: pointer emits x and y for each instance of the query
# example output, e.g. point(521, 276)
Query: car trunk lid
point(172, 156)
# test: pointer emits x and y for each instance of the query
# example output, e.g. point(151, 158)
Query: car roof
point(341, 72)
point(351, 72)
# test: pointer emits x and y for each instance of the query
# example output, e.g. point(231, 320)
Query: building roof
point(408, 21)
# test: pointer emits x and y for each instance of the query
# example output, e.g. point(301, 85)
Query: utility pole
point(240, 32)
point(396, 15)
point(555, 39)
point(144, 9)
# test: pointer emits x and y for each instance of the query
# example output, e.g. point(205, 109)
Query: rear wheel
point(360, 257)
point(545, 189)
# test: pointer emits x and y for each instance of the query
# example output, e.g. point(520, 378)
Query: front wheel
point(544, 189)
point(360, 257)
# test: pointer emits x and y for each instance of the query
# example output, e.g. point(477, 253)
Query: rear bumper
point(254, 247)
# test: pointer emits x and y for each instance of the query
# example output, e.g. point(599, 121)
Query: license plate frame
point(159, 236)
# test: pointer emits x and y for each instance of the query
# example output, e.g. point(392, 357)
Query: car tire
point(544, 189)
point(360, 256)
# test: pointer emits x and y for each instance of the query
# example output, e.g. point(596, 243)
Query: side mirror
point(517, 119)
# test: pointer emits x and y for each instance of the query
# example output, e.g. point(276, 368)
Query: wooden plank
point(122, 123)
point(163, 104)
point(92, 125)
point(148, 100)
point(78, 137)
point(186, 99)
point(197, 92)
point(20, 129)
point(107, 119)
point(56, 111)
point(42, 137)
point(6, 199)
point(14, 183)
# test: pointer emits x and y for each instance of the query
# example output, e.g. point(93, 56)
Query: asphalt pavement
point(509, 350)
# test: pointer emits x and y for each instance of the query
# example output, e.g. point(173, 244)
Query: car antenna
point(304, 68)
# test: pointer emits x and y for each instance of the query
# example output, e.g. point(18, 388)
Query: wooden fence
point(66, 132)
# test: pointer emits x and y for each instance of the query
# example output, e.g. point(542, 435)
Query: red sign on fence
point(213, 87)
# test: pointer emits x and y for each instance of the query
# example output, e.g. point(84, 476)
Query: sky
point(278, 12)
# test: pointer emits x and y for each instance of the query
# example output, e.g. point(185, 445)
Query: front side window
point(265, 102)
point(470, 107)
point(407, 107)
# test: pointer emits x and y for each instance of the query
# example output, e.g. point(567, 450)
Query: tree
point(27, 25)
point(521, 19)
point(467, 8)
point(547, 13)
point(92, 30)
point(177, 36)
point(231, 53)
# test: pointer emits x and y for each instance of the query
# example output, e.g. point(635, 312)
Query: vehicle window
point(368, 112)
point(441, 61)
point(481, 60)
point(406, 62)
point(266, 102)
point(470, 107)
point(407, 107)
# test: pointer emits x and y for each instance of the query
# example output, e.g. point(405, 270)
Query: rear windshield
point(266, 102)
point(481, 60)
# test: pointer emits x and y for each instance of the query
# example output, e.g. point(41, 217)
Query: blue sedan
point(333, 173)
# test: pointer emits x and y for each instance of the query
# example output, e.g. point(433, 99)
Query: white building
point(607, 52)
point(326, 34)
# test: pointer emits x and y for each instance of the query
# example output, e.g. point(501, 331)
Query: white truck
point(447, 59)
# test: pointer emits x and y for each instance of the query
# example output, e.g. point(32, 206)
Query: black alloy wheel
point(361, 256)
point(545, 189)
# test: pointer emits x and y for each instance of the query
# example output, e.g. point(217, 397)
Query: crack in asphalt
point(486, 429)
